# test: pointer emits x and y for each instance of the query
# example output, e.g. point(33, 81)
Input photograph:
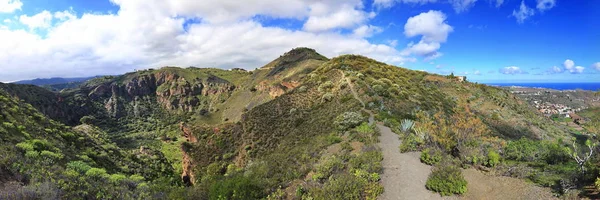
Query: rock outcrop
point(171, 91)
point(187, 175)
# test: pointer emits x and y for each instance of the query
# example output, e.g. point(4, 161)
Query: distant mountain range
point(54, 81)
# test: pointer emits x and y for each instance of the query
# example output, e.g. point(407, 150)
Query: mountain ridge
point(283, 125)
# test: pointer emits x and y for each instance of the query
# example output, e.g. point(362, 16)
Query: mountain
point(53, 81)
point(296, 127)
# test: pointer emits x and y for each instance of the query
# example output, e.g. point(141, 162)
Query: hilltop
point(298, 126)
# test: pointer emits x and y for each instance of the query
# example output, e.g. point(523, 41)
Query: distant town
point(564, 103)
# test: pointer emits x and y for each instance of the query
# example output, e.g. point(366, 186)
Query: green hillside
point(295, 128)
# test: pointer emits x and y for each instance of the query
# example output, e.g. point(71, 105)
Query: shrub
point(493, 158)
point(447, 180)
point(327, 97)
point(329, 166)
point(302, 89)
point(342, 186)
point(87, 119)
point(369, 161)
point(410, 143)
point(325, 86)
point(236, 187)
point(348, 120)
point(431, 157)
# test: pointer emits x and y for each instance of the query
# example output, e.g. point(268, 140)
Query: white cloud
point(596, 66)
point(324, 18)
point(544, 5)
point(477, 72)
point(512, 70)
point(497, 3)
point(555, 70)
point(432, 28)
point(569, 66)
point(422, 48)
point(390, 3)
point(9, 6)
point(41, 20)
point(151, 34)
point(366, 31)
point(65, 15)
point(392, 43)
point(7, 21)
point(462, 5)
point(431, 25)
point(523, 13)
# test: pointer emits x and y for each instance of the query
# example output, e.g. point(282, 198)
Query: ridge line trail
point(404, 175)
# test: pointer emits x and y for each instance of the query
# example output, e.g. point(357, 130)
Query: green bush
point(236, 187)
point(348, 120)
point(342, 186)
point(329, 166)
point(327, 97)
point(431, 157)
point(447, 180)
point(410, 143)
point(333, 138)
point(493, 158)
point(325, 86)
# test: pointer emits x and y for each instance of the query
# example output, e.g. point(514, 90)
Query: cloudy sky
point(487, 40)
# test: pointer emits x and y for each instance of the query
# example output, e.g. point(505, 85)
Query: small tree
point(581, 160)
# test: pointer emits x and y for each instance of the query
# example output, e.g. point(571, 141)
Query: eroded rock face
point(278, 89)
point(172, 92)
point(187, 175)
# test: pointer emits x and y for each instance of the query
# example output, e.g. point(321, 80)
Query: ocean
point(556, 86)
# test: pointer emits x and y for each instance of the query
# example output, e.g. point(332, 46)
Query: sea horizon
point(556, 86)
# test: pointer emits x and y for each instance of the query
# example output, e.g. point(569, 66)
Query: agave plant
point(407, 125)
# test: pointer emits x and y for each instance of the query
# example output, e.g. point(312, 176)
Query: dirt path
point(404, 175)
point(481, 186)
point(355, 94)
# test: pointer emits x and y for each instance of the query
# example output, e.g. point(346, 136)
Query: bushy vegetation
point(251, 150)
point(447, 180)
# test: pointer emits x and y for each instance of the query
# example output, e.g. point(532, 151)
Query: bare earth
point(404, 175)
point(481, 186)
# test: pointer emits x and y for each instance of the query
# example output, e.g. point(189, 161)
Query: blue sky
point(488, 40)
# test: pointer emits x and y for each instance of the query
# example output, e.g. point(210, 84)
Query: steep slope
point(43, 159)
point(294, 128)
point(463, 120)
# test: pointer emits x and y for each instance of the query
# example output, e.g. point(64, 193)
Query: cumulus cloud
point(462, 5)
point(324, 17)
point(366, 31)
point(555, 70)
point(431, 25)
point(544, 5)
point(41, 20)
point(596, 66)
point(569, 66)
point(512, 70)
point(432, 28)
point(390, 3)
point(144, 34)
point(523, 13)
point(9, 6)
